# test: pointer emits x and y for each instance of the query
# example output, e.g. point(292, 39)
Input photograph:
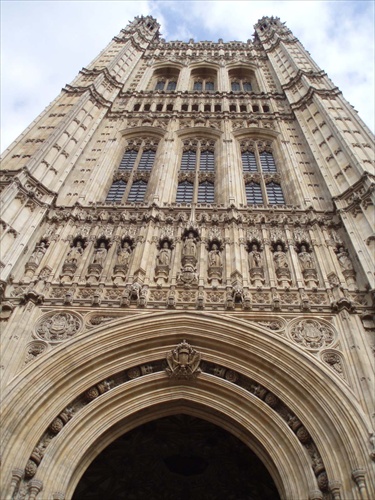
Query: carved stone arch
point(143, 131)
point(166, 64)
point(302, 382)
point(199, 131)
point(242, 64)
point(204, 63)
point(256, 133)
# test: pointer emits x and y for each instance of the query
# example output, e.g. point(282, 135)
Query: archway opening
point(179, 456)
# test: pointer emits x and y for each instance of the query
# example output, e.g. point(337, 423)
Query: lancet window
point(165, 79)
point(261, 178)
point(240, 85)
point(131, 178)
point(204, 79)
point(197, 172)
point(242, 79)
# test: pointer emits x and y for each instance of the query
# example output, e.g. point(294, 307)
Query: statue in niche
point(344, 259)
point(38, 254)
point(279, 258)
point(306, 259)
point(190, 247)
point(124, 254)
point(164, 256)
point(214, 256)
point(255, 257)
point(281, 266)
point(74, 253)
point(100, 254)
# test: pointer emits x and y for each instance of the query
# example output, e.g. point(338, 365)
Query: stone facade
point(187, 229)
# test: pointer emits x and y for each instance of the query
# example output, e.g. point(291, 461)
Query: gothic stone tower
point(187, 231)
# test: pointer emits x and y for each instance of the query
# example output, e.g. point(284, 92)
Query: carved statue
point(344, 259)
point(214, 257)
point(75, 253)
point(255, 257)
point(38, 254)
point(305, 259)
point(100, 254)
point(279, 258)
point(190, 247)
point(164, 255)
point(123, 255)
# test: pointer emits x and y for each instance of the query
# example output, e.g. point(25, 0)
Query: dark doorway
point(177, 458)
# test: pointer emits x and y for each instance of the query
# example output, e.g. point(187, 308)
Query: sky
point(44, 44)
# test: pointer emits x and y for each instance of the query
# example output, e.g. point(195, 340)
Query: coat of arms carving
point(183, 362)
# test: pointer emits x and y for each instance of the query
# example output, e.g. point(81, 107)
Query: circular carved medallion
point(56, 327)
point(312, 334)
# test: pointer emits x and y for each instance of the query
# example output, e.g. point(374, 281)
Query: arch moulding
point(301, 382)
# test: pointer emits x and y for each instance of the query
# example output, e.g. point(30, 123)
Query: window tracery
point(262, 180)
point(131, 178)
point(197, 172)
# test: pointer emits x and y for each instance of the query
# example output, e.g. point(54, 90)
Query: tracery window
point(204, 85)
point(241, 86)
point(197, 172)
point(166, 85)
point(116, 192)
point(131, 178)
point(165, 79)
point(262, 180)
point(204, 79)
point(242, 79)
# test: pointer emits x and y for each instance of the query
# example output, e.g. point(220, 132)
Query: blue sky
point(45, 43)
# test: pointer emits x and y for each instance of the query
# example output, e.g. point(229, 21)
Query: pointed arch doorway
point(178, 456)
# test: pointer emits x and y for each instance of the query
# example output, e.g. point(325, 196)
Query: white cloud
point(45, 44)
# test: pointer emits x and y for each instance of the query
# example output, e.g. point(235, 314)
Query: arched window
point(185, 192)
point(188, 160)
point(140, 157)
point(198, 85)
point(253, 193)
point(160, 85)
point(128, 160)
point(249, 163)
point(204, 79)
point(171, 85)
point(267, 162)
point(242, 79)
point(165, 79)
point(275, 194)
point(261, 178)
point(137, 192)
point(197, 172)
point(207, 161)
point(116, 192)
point(206, 192)
point(147, 160)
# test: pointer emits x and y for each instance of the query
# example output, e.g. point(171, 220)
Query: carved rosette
point(35, 349)
point(56, 327)
point(334, 360)
point(312, 334)
point(183, 362)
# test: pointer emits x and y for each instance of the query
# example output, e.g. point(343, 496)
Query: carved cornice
point(357, 193)
point(98, 71)
point(27, 184)
point(93, 93)
point(310, 94)
point(300, 73)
